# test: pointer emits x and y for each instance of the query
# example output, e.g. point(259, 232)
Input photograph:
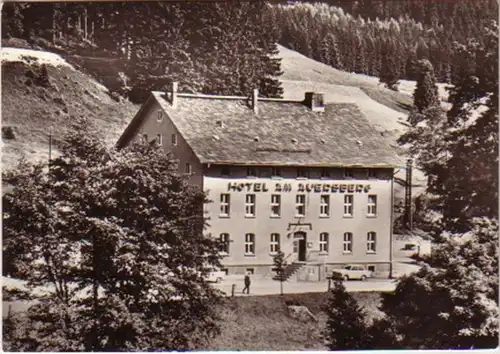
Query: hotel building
point(314, 180)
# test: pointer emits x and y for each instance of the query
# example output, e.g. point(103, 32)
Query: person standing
point(247, 284)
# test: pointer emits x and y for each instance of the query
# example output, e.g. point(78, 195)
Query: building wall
point(153, 124)
point(263, 224)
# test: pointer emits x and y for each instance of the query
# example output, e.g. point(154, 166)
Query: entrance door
point(301, 238)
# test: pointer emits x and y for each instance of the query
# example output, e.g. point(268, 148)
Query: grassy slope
point(263, 323)
point(32, 109)
point(384, 108)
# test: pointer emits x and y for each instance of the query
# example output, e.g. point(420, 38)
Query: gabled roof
point(225, 130)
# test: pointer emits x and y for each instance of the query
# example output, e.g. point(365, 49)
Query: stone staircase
point(290, 270)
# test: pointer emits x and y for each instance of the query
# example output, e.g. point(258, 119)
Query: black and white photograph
point(249, 175)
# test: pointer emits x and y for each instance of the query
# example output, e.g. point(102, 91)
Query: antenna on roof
point(255, 100)
point(175, 85)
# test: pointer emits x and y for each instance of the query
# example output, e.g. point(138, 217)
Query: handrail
point(290, 254)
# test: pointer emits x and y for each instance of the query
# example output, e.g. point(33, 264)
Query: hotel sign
point(301, 187)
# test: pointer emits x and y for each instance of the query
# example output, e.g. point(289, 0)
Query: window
point(371, 242)
point(348, 173)
point(250, 244)
point(347, 242)
point(251, 172)
point(145, 138)
point(324, 206)
point(275, 205)
point(225, 201)
point(275, 172)
point(224, 243)
point(159, 116)
point(302, 172)
point(295, 246)
point(275, 243)
point(325, 173)
point(250, 271)
point(159, 139)
point(371, 268)
point(225, 171)
point(174, 139)
point(323, 242)
point(372, 205)
point(300, 205)
point(348, 204)
point(372, 173)
point(187, 168)
point(250, 205)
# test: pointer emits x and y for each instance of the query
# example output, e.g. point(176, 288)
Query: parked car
point(353, 271)
point(216, 276)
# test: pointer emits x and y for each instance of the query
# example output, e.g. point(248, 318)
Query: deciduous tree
point(452, 302)
point(117, 238)
point(280, 265)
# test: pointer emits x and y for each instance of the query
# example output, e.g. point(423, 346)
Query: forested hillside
point(228, 47)
point(207, 46)
point(382, 37)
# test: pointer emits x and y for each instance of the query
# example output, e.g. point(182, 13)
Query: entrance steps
point(290, 270)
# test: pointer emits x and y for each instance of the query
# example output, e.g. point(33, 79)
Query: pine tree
point(389, 73)
point(473, 139)
point(206, 47)
point(426, 92)
point(411, 66)
point(360, 50)
point(346, 328)
point(42, 79)
point(12, 19)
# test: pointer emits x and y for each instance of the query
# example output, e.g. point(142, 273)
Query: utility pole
point(50, 146)
point(95, 292)
point(408, 204)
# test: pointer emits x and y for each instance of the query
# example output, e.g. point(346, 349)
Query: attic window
point(348, 173)
point(275, 172)
point(159, 116)
point(174, 139)
point(302, 172)
point(251, 172)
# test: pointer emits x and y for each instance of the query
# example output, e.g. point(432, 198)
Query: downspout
point(392, 226)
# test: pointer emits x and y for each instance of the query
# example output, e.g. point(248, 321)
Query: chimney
point(255, 100)
point(175, 84)
point(315, 101)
